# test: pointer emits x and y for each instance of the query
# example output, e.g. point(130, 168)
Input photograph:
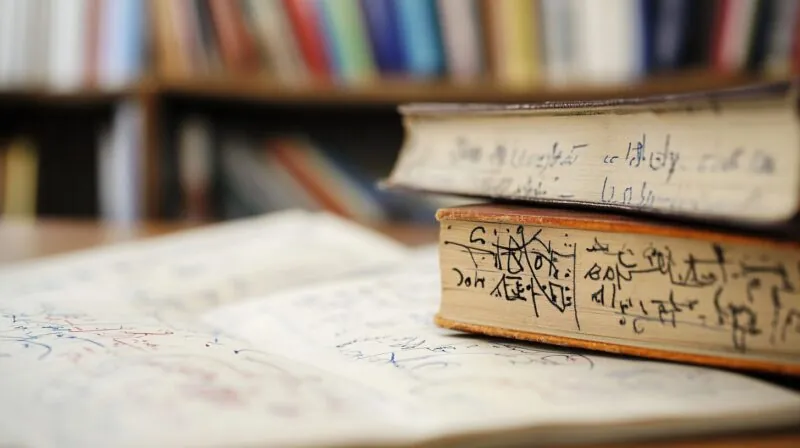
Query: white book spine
point(609, 41)
point(121, 166)
point(461, 34)
point(68, 44)
point(6, 41)
point(20, 58)
point(558, 29)
point(38, 41)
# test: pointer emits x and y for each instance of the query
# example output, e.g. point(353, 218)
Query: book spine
point(296, 163)
point(348, 39)
point(461, 36)
point(780, 40)
point(381, 20)
point(238, 49)
point(419, 26)
point(306, 24)
point(21, 176)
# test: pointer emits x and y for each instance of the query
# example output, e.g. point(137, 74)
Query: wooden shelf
point(94, 96)
point(392, 92)
point(387, 92)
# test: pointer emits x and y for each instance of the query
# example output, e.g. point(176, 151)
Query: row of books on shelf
point(247, 175)
point(217, 174)
point(69, 44)
point(77, 43)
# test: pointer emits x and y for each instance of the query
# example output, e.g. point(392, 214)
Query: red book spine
point(294, 161)
point(721, 23)
point(93, 40)
point(304, 18)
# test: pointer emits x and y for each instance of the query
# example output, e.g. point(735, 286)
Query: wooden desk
point(28, 240)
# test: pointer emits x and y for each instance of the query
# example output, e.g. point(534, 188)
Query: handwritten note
point(82, 372)
point(103, 348)
point(690, 295)
point(380, 331)
point(742, 160)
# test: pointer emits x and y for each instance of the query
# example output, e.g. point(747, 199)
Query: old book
point(727, 155)
point(621, 285)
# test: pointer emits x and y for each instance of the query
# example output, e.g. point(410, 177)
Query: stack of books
point(662, 227)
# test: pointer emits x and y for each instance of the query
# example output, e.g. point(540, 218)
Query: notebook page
point(81, 371)
point(379, 333)
point(196, 270)
point(101, 348)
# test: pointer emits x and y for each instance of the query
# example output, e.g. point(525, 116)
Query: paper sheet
point(196, 270)
point(103, 347)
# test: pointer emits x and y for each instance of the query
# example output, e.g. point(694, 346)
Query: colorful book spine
point(384, 32)
point(347, 38)
point(419, 27)
point(239, 50)
point(307, 26)
point(21, 177)
point(516, 38)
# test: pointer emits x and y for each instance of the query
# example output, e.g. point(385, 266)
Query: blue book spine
point(384, 33)
point(649, 34)
point(134, 39)
point(669, 33)
point(419, 30)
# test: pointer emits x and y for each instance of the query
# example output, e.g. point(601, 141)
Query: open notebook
point(299, 329)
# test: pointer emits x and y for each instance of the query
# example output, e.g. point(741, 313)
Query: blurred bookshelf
point(126, 110)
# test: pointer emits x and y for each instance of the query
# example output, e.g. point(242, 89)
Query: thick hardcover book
point(726, 155)
point(621, 285)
